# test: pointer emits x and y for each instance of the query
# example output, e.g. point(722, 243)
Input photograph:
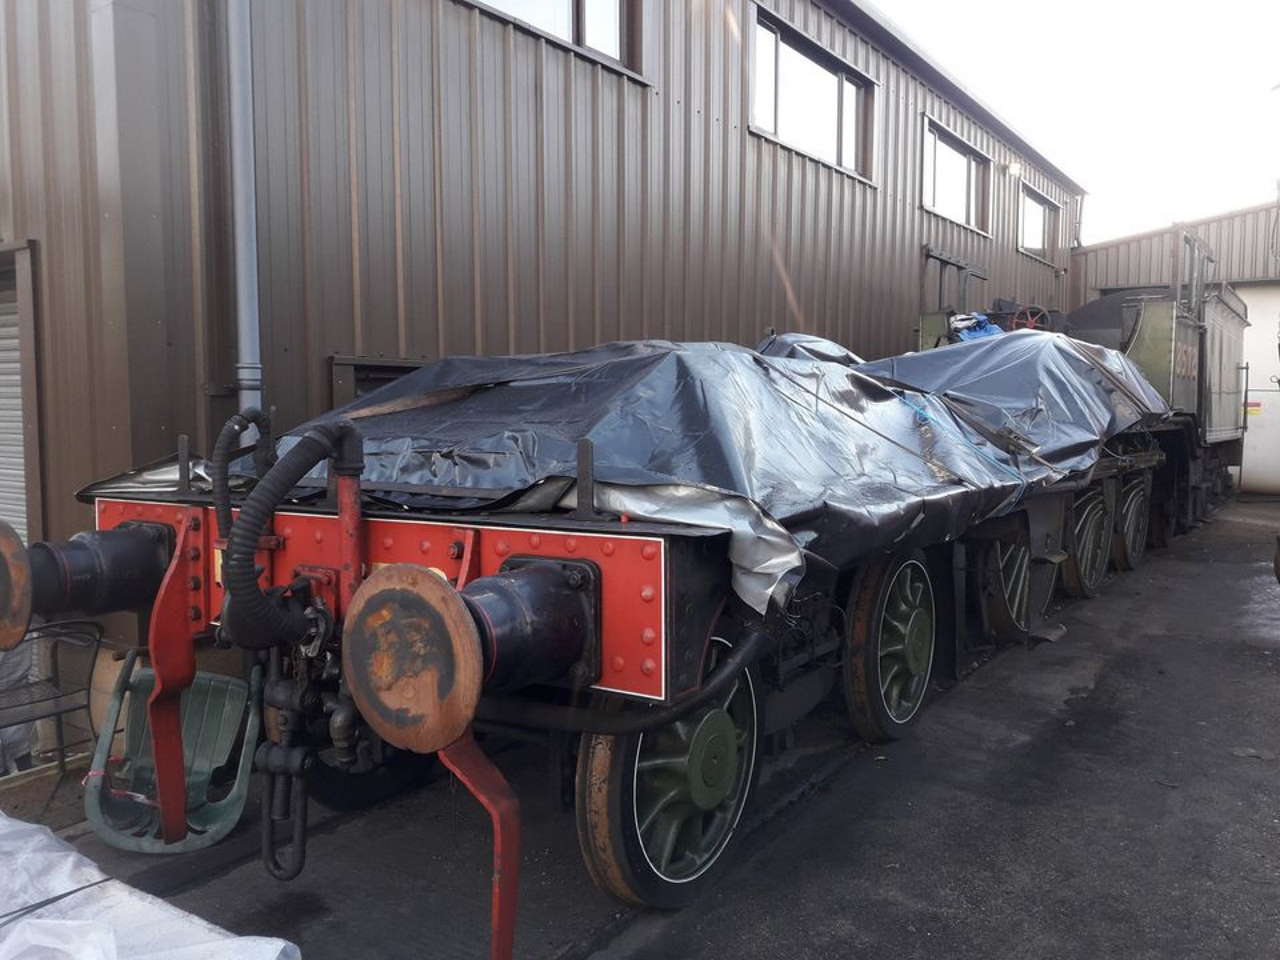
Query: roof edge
point(879, 28)
point(1198, 222)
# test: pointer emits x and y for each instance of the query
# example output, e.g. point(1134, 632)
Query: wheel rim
point(906, 641)
point(1014, 560)
point(691, 780)
point(1134, 519)
point(1093, 540)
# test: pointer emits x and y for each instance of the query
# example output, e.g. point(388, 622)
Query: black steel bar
point(550, 716)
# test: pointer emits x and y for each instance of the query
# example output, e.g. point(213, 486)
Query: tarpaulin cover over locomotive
point(551, 543)
point(788, 451)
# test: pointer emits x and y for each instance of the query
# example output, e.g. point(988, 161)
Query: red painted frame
point(632, 573)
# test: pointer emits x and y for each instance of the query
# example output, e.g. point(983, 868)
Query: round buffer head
point(411, 657)
point(15, 588)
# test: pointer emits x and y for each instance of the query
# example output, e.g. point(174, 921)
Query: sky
point(1162, 111)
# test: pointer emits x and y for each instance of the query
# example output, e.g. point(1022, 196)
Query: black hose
point(551, 716)
point(254, 619)
point(219, 462)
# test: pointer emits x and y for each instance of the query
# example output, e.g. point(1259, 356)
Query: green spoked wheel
point(1129, 544)
point(1011, 569)
point(890, 646)
point(657, 811)
point(1086, 563)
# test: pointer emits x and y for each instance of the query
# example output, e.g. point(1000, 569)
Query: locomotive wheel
point(1086, 565)
point(1008, 590)
point(1129, 545)
point(889, 657)
point(656, 811)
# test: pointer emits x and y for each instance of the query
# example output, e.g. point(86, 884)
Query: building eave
point(877, 27)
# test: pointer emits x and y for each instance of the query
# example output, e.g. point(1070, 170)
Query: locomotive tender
point(657, 554)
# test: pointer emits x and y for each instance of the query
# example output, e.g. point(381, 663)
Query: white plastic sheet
point(84, 915)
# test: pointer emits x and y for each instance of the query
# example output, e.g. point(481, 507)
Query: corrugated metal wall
point(436, 180)
point(1246, 244)
point(105, 136)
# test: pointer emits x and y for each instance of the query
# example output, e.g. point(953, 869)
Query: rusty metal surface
point(15, 588)
point(411, 657)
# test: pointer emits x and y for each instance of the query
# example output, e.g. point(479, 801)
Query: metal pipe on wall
point(244, 204)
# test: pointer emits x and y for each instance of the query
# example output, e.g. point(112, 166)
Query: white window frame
point(1052, 224)
point(629, 29)
point(977, 158)
point(864, 166)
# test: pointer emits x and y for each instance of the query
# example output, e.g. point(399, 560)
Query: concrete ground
point(1114, 794)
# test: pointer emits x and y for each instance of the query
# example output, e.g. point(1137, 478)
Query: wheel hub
point(713, 759)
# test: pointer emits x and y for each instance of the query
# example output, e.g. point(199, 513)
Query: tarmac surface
point(1113, 794)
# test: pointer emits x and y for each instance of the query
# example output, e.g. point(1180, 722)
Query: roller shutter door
point(13, 487)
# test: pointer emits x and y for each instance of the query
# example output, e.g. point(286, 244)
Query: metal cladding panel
point(436, 179)
point(1245, 244)
point(104, 172)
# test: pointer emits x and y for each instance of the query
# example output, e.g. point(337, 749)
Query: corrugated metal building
point(1245, 246)
point(438, 176)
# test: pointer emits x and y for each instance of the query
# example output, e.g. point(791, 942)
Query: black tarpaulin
point(1040, 393)
point(786, 449)
point(832, 457)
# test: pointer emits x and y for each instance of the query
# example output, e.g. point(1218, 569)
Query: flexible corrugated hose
point(219, 462)
point(256, 620)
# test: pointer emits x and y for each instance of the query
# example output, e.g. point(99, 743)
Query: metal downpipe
point(244, 203)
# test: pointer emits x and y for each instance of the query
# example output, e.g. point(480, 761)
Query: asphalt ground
point(1115, 794)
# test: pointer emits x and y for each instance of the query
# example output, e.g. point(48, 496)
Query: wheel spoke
point(663, 802)
point(733, 692)
point(899, 627)
point(895, 695)
point(887, 678)
point(665, 835)
point(674, 763)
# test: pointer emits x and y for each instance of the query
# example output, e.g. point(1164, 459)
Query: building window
point(596, 24)
point(957, 178)
point(810, 100)
point(1038, 228)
